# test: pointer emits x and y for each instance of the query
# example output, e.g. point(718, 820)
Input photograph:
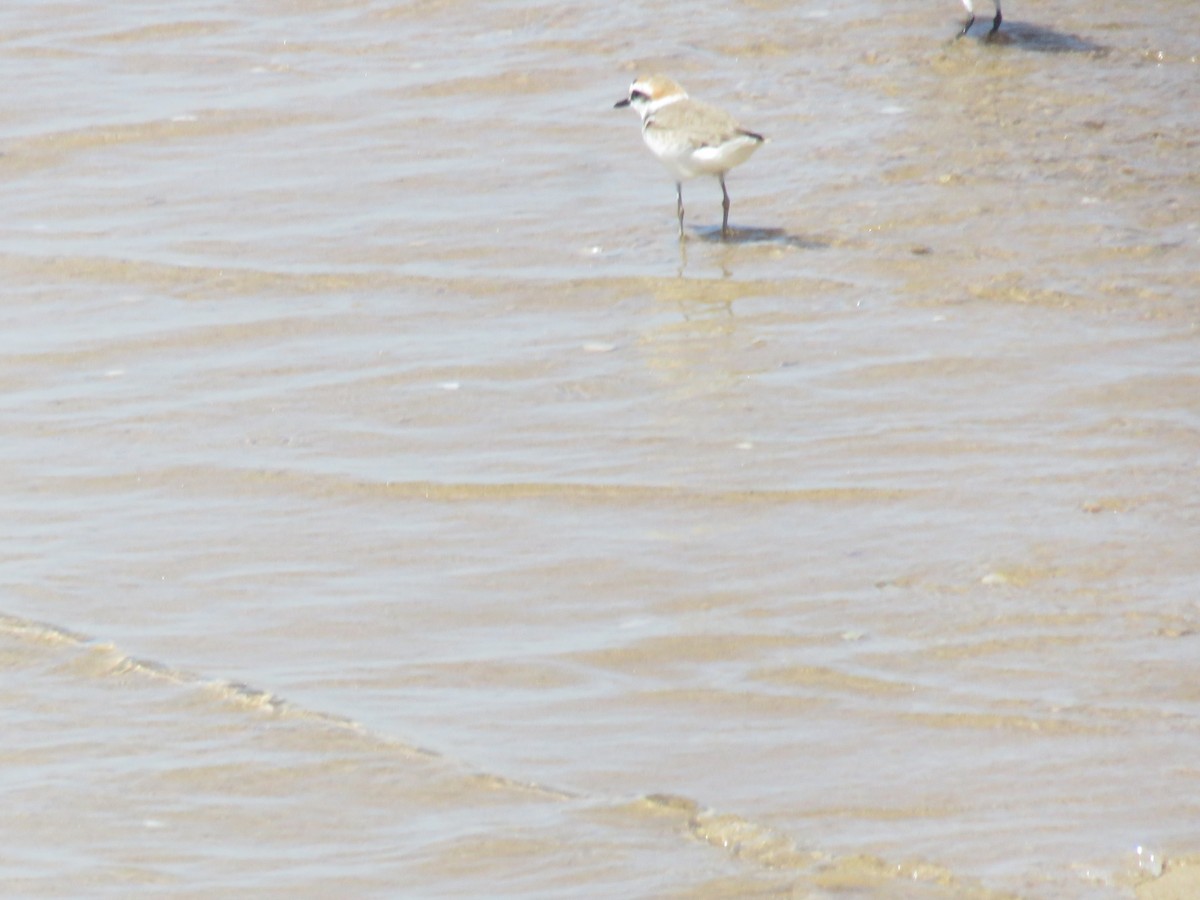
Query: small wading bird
point(690, 138)
point(971, 17)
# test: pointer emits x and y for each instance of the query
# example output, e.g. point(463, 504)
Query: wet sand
point(398, 509)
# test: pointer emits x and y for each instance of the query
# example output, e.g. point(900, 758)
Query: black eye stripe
point(638, 95)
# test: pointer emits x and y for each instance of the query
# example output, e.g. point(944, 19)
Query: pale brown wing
point(700, 124)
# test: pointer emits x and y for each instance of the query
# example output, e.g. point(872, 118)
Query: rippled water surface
point(396, 508)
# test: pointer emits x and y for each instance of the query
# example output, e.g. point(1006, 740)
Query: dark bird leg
point(724, 208)
point(996, 21)
point(679, 206)
point(967, 27)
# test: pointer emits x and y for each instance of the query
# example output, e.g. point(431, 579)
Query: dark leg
point(679, 206)
point(967, 27)
point(724, 208)
point(996, 21)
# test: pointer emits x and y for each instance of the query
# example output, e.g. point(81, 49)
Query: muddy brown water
point(395, 508)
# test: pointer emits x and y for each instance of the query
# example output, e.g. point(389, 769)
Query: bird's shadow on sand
point(1039, 39)
point(754, 235)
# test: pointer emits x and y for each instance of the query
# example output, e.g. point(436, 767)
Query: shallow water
point(396, 508)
